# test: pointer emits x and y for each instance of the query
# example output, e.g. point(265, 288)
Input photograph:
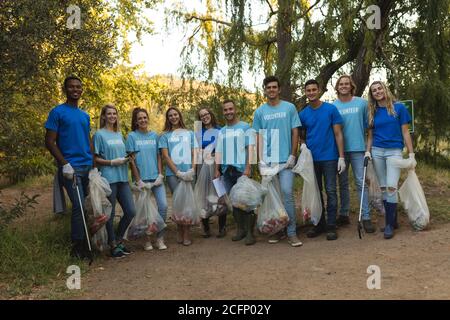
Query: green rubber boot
point(250, 220)
point(241, 230)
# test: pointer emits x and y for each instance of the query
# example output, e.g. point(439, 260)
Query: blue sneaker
point(117, 253)
point(124, 249)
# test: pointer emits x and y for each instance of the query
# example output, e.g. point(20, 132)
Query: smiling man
point(68, 140)
point(276, 123)
point(354, 114)
point(322, 123)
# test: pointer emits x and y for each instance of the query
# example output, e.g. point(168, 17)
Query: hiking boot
point(160, 244)
point(315, 231)
point(206, 231)
point(277, 237)
point(391, 209)
point(331, 233)
point(148, 246)
point(241, 230)
point(294, 241)
point(124, 249)
point(117, 253)
point(368, 226)
point(222, 233)
point(342, 221)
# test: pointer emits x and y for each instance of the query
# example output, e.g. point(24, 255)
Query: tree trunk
point(284, 42)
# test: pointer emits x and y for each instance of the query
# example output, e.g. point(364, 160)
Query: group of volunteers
point(338, 135)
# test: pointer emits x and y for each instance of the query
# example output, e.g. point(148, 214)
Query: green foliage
point(17, 210)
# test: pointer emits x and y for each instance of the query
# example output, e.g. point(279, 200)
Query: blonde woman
point(387, 135)
point(110, 156)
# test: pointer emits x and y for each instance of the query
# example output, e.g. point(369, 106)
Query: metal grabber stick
point(75, 183)
point(360, 227)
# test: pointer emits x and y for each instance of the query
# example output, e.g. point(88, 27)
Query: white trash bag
point(247, 194)
point(185, 210)
point(147, 220)
point(412, 196)
point(272, 216)
point(311, 203)
point(98, 209)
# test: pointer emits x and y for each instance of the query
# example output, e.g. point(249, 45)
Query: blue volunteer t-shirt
point(109, 145)
point(354, 115)
point(179, 143)
point(387, 129)
point(319, 130)
point(232, 143)
point(72, 126)
point(207, 137)
point(147, 157)
point(278, 122)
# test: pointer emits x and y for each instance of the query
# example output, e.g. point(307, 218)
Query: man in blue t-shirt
point(68, 140)
point(354, 114)
point(324, 138)
point(276, 124)
point(234, 149)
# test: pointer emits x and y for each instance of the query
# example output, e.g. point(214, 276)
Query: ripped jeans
point(387, 175)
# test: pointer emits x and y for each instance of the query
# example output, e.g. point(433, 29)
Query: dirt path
point(414, 265)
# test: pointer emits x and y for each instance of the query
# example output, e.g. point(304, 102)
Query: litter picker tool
point(360, 227)
point(75, 183)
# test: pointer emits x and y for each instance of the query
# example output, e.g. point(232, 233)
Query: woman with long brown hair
point(178, 149)
point(388, 133)
point(147, 165)
point(110, 156)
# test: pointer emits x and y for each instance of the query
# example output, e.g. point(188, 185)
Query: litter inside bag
point(98, 209)
point(147, 220)
point(272, 216)
point(413, 198)
point(247, 194)
point(205, 193)
point(375, 195)
point(185, 210)
point(311, 203)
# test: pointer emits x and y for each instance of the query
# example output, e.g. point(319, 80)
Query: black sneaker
point(342, 220)
point(124, 249)
point(315, 231)
point(206, 234)
point(117, 253)
point(368, 226)
point(331, 233)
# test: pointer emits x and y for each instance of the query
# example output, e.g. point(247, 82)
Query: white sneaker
point(148, 246)
point(160, 244)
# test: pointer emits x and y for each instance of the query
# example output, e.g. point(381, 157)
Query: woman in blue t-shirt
point(178, 150)
point(110, 156)
point(388, 133)
point(146, 166)
point(207, 138)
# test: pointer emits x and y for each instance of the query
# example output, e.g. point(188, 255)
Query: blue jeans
point(327, 170)
point(286, 177)
point(387, 175)
point(122, 192)
point(356, 160)
point(161, 201)
point(82, 178)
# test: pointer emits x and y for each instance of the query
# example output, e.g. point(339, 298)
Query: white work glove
point(368, 155)
point(266, 170)
point(140, 184)
point(413, 160)
point(185, 176)
point(149, 185)
point(303, 147)
point(290, 163)
point(341, 165)
point(119, 161)
point(159, 181)
point(68, 171)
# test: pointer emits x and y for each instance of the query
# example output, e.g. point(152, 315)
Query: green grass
point(34, 256)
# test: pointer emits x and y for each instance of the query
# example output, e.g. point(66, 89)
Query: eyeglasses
point(204, 115)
